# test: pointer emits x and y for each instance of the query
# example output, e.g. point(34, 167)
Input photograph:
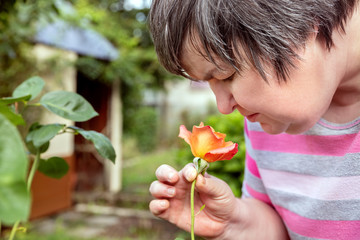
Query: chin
point(276, 127)
point(270, 129)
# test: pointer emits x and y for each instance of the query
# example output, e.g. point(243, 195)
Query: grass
point(140, 171)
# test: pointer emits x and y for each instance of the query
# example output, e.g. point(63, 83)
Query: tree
point(18, 19)
point(137, 67)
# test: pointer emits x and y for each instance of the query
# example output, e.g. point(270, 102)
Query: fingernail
point(170, 176)
point(162, 204)
point(171, 192)
point(191, 174)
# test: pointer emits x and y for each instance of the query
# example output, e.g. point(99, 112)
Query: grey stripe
point(295, 236)
point(323, 166)
point(333, 129)
point(244, 192)
point(254, 182)
point(317, 209)
point(254, 126)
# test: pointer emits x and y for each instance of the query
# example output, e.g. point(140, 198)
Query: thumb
point(213, 187)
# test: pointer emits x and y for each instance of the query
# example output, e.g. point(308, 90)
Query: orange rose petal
point(225, 153)
point(220, 135)
point(204, 140)
point(208, 144)
point(185, 134)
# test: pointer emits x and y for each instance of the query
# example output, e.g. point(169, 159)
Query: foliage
point(230, 171)
point(15, 200)
point(137, 66)
point(18, 21)
point(145, 129)
point(15, 183)
point(139, 171)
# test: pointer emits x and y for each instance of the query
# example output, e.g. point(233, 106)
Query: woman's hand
point(172, 200)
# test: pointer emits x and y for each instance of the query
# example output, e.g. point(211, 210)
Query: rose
point(207, 146)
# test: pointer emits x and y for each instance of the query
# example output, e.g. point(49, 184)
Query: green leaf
point(31, 86)
point(41, 134)
point(15, 200)
point(32, 149)
point(29, 141)
point(11, 100)
point(14, 118)
point(54, 167)
point(201, 208)
point(102, 143)
point(68, 105)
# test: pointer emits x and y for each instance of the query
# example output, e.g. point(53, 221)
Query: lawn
point(138, 173)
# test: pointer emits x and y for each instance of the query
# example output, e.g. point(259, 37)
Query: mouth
point(252, 117)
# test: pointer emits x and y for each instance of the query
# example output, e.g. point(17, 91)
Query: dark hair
point(266, 30)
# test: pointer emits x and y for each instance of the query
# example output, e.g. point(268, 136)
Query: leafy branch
point(15, 178)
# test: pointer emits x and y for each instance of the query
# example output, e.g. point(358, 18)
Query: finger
point(212, 186)
point(189, 172)
point(157, 207)
point(161, 190)
point(166, 173)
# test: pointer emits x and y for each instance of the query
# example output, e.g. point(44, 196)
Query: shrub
point(144, 129)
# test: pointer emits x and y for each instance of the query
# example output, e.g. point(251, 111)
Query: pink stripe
point(252, 166)
point(260, 196)
point(324, 229)
point(333, 145)
point(246, 128)
point(312, 186)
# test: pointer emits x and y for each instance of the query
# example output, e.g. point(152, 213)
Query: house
point(64, 42)
point(182, 102)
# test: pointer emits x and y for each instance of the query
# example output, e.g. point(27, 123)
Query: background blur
point(102, 50)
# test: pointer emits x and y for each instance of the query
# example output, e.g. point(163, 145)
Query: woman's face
point(292, 107)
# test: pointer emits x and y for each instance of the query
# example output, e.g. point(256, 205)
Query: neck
point(353, 47)
point(345, 105)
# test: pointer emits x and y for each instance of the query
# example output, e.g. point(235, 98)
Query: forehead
point(199, 67)
point(197, 63)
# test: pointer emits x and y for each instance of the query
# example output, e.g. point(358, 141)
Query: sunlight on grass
point(141, 170)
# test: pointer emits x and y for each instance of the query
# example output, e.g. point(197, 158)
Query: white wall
point(190, 96)
point(62, 145)
point(182, 95)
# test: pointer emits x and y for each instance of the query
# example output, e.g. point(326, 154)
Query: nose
point(225, 101)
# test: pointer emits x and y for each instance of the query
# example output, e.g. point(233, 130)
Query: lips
point(252, 117)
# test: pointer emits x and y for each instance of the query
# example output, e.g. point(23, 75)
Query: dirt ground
point(122, 217)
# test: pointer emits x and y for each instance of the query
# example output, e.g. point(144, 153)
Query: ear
point(314, 35)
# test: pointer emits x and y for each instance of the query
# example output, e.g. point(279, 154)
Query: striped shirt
point(311, 179)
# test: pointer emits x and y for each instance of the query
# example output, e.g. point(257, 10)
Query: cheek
point(304, 112)
point(291, 109)
point(302, 116)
